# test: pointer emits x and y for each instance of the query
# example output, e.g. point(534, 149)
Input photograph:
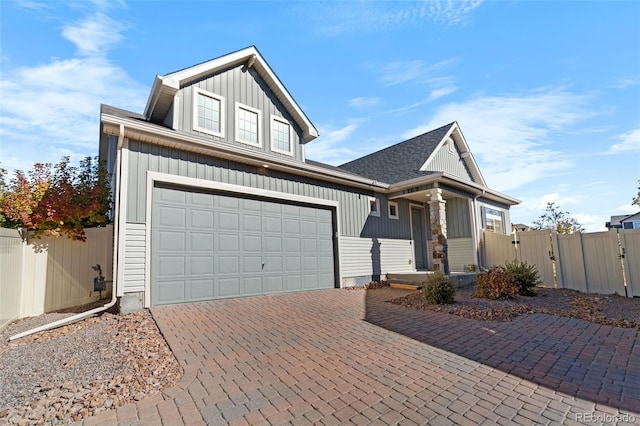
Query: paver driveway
point(339, 356)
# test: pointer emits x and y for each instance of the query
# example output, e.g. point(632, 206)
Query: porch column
point(438, 221)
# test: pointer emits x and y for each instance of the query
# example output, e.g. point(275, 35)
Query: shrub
point(526, 277)
point(497, 283)
point(438, 289)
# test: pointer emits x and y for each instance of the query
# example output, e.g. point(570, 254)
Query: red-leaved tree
point(56, 200)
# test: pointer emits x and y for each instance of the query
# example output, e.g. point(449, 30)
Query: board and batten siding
point(449, 162)
point(458, 218)
point(247, 88)
point(367, 256)
point(134, 257)
point(353, 203)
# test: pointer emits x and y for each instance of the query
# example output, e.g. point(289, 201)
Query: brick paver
point(337, 356)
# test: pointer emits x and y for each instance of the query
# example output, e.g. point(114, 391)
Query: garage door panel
point(171, 265)
point(252, 286)
point(201, 265)
point(251, 222)
point(201, 289)
point(228, 265)
point(272, 224)
point(171, 241)
point(209, 246)
point(228, 221)
point(273, 264)
point(252, 243)
point(251, 264)
point(202, 219)
point(273, 284)
point(170, 291)
point(201, 242)
point(229, 287)
point(172, 216)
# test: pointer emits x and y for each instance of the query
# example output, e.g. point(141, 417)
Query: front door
point(419, 240)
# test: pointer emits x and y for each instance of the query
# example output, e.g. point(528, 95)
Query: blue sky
point(546, 93)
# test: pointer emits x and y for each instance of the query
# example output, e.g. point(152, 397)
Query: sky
point(546, 93)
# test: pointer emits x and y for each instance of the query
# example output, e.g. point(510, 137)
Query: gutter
point(114, 298)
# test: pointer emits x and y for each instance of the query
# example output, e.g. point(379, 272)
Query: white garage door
point(210, 246)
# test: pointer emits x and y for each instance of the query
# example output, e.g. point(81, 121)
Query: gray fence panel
point(630, 240)
point(535, 248)
point(570, 262)
point(601, 263)
point(10, 275)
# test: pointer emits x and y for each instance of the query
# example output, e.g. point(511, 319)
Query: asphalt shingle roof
point(117, 112)
point(399, 162)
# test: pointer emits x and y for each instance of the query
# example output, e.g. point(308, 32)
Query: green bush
point(438, 289)
point(526, 277)
point(497, 283)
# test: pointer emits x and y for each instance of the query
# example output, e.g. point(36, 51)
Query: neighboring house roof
point(411, 159)
point(616, 221)
point(165, 87)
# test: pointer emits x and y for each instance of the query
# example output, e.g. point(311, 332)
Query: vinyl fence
point(598, 262)
point(48, 274)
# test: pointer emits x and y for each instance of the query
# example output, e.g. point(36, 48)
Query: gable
point(165, 88)
point(453, 156)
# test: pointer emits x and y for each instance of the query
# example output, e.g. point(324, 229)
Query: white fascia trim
point(198, 91)
point(259, 128)
point(167, 137)
point(239, 190)
point(291, 132)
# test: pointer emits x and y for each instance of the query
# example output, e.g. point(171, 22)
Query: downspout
point(476, 237)
point(114, 298)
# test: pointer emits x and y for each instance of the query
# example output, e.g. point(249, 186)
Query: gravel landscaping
point(104, 362)
point(614, 310)
point(81, 369)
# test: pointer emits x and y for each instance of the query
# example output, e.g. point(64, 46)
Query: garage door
point(209, 246)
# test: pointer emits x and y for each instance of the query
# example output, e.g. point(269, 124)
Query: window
point(451, 146)
point(493, 220)
point(374, 207)
point(393, 210)
point(208, 115)
point(281, 140)
point(248, 125)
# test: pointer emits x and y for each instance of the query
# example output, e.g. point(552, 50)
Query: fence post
point(556, 262)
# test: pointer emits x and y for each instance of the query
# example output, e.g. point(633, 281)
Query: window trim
point(375, 213)
point(393, 204)
point(282, 120)
point(197, 92)
point(237, 124)
point(487, 213)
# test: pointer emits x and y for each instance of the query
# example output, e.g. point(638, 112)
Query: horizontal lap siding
point(372, 256)
point(134, 260)
point(461, 253)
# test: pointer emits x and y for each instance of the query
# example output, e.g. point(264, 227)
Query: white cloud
point(416, 72)
point(512, 136)
point(53, 109)
point(629, 141)
point(363, 103)
point(328, 147)
point(94, 35)
point(336, 18)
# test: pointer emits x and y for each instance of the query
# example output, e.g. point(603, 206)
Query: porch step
point(416, 279)
point(405, 286)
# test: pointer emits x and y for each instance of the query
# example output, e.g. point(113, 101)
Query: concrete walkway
point(339, 356)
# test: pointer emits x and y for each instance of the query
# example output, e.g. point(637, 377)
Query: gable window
point(493, 220)
point(374, 207)
point(393, 210)
point(208, 116)
point(248, 127)
point(281, 132)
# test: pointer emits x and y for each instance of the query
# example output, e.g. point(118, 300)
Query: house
point(215, 198)
point(631, 221)
point(520, 227)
